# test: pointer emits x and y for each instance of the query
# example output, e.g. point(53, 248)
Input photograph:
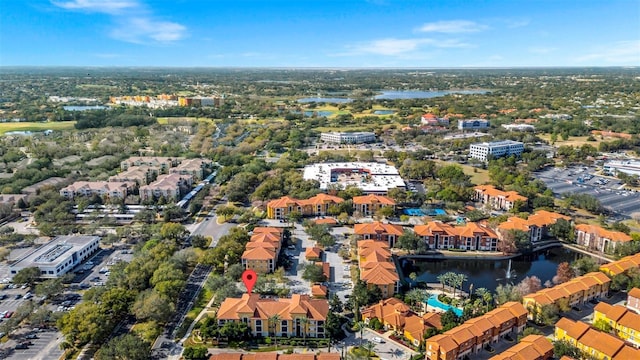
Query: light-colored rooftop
point(51, 253)
point(379, 177)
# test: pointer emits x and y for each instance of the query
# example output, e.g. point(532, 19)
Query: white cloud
point(619, 53)
point(100, 6)
point(395, 47)
point(133, 22)
point(512, 24)
point(541, 50)
point(453, 27)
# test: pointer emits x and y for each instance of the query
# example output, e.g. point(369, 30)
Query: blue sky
point(329, 33)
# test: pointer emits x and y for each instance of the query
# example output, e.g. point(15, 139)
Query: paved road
point(210, 227)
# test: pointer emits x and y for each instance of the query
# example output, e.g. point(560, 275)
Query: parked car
point(377, 339)
point(22, 346)
point(8, 315)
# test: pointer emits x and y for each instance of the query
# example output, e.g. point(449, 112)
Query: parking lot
point(583, 180)
point(40, 345)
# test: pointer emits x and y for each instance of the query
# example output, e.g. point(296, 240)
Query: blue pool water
point(433, 301)
point(420, 212)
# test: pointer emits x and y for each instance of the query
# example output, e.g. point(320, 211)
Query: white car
point(377, 339)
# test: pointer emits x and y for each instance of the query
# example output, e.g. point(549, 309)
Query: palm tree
point(369, 346)
point(360, 324)
point(459, 280)
point(443, 279)
point(273, 323)
point(304, 321)
point(413, 276)
point(485, 295)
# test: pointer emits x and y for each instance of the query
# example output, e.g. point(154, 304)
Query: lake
point(334, 100)
point(384, 112)
point(83, 107)
point(419, 94)
point(484, 273)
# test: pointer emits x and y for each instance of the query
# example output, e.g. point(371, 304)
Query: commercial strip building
point(372, 178)
point(482, 151)
point(532, 347)
point(497, 199)
point(58, 256)
point(471, 236)
point(469, 338)
point(596, 343)
point(348, 137)
point(594, 237)
point(299, 316)
point(377, 267)
point(575, 292)
point(473, 124)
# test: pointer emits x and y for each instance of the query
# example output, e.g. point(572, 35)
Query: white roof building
point(481, 151)
point(631, 167)
point(519, 127)
point(372, 178)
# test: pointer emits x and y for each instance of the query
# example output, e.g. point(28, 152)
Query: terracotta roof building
point(471, 236)
point(141, 175)
point(107, 189)
point(262, 250)
point(537, 224)
point(633, 300)
point(470, 338)
point(532, 347)
point(497, 199)
point(621, 266)
point(275, 356)
point(378, 231)
point(597, 238)
point(625, 323)
point(256, 312)
point(315, 206)
point(377, 267)
point(367, 205)
point(171, 187)
point(576, 291)
point(196, 168)
point(598, 344)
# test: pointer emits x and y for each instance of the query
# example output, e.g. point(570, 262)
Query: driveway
point(302, 241)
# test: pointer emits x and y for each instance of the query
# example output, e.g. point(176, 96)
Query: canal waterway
point(490, 273)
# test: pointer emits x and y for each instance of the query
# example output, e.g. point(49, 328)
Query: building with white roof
point(348, 137)
point(58, 256)
point(630, 167)
point(372, 178)
point(481, 151)
point(519, 127)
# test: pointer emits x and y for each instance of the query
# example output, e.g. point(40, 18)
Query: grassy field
point(575, 141)
point(478, 176)
point(36, 126)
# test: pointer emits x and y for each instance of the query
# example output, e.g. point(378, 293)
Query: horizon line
point(321, 67)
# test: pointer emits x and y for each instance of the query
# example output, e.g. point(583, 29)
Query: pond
point(83, 107)
point(334, 100)
point(490, 273)
point(419, 94)
point(384, 112)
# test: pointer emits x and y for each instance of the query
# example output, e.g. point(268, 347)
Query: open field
point(36, 126)
point(575, 141)
point(478, 176)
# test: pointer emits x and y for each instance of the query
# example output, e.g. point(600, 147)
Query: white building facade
point(481, 151)
point(473, 124)
point(348, 137)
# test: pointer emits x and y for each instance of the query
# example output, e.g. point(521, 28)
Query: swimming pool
point(433, 301)
point(420, 212)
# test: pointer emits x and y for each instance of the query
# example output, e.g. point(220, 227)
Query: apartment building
point(141, 175)
point(497, 199)
point(432, 120)
point(196, 168)
point(377, 267)
point(106, 189)
point(597, 344)
point(315, 206)
point(532, 347)
point(274, 356)
point(625, 323)
point(597, 238)
point(470, 338)
point(633, 300)
point(170, 186)
point(482, 151)
point(368, 205)
point(536, 225)
point(348, 137)
point(471, 236)
point(262, 250)
point(397, 316)
point(299, 315)
point(378, 231)
point(576, 291)
point(621, 266)
point(163, 164)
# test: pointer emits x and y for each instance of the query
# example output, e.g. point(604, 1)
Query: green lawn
point(36, 126)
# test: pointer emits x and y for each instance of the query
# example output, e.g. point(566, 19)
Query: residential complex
point(473, 124)
point(432, 120)
point(106, 189)
point(163, 164)
point(376, 230)
point(274, 356)
point(170, 186)
point(196, 168)
point(482, 151)
point(197, 101)
point(154, 102)
point(367, 205)
point(624, 323)
point(597, 238)
point(348, 137)
point(576, 291)
point(315, 206)
point(621, 266)
point(471, 236)
point(372, 178)
point(395, 315)
point(536, 225)
point(497, 199)
point(532, 347)
point(297, 317)
point(141, 175)
point(633, 300)
point(377, 267)
point(58, 256)
point(469, 338)
point(262, 250)
point(598, 344)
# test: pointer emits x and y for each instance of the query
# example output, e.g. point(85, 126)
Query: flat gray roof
point(55, 251)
